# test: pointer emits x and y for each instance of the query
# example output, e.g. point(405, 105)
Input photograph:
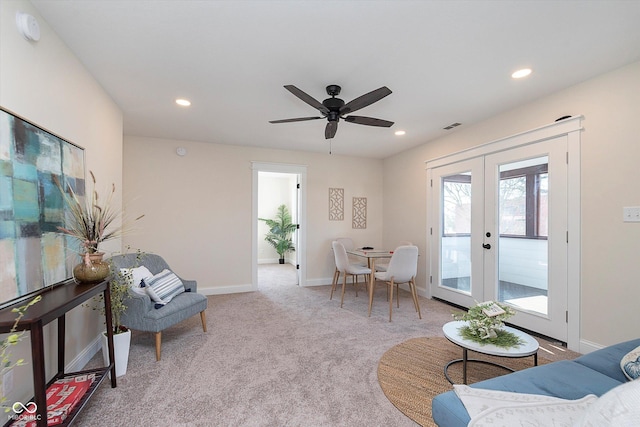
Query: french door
point(499, 232)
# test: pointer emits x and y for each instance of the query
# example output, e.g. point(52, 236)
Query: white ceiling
point(445, 61)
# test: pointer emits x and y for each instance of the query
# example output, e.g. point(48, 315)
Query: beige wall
point(44, 83)
point(198, 207)
point(610, 175)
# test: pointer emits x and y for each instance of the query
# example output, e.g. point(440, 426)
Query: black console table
point(56, 301)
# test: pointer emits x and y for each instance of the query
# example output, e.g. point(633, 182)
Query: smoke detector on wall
point(28, 26)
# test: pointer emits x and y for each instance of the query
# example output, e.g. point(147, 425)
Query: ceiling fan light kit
point(333, 109)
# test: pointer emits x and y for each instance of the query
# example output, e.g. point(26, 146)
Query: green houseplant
point(119, 285)
point(485, 323)
point(11, 340)
point(280, 230)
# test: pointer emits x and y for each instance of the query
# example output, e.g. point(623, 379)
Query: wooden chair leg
point(415, 297)
point(372, 286)
point(158, 344)
point(344, 284)
point(203, 317)
point(336, 276)
point(390, 299)
point(355, 283)
point(397, 295)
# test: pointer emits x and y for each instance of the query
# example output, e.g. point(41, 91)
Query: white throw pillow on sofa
point(616, 408)
point(495, 408)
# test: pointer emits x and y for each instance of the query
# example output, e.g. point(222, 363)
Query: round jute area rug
point(411, 373)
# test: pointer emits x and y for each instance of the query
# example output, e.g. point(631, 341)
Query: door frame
point(301, 256)
point(572, 128)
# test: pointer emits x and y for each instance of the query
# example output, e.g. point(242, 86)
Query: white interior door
point(498, 231)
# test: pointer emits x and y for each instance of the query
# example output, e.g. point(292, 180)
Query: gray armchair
point(141, 314)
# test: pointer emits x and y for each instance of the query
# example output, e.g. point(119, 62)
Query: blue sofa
point(594, 373)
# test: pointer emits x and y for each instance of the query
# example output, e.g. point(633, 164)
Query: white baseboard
point(221, 290)
point(588, 346)
point(276, 261)
point(81, 360)
point(318, 282)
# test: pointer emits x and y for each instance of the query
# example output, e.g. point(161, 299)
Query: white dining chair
point(344, 267)
point(383, 265)
point(403, 268)
point(348, 244)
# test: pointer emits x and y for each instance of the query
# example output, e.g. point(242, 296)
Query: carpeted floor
point(282, 356)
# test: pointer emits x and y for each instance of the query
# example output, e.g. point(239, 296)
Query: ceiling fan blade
point(307, 98)
point(369, 121)
point(364, 100)
point(330, 130)
point(299, 119)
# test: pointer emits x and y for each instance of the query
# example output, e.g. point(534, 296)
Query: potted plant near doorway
point(280, 230)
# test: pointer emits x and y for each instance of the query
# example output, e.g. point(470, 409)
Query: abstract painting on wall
point(33, 254)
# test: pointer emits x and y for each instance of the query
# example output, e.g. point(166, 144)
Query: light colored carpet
point(282, 356)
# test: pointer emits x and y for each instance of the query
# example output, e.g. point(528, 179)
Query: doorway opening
point(274, 186)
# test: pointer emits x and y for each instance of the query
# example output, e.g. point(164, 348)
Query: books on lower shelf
point(62, 397)
point(491, 309)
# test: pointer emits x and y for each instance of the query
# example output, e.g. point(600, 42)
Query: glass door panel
point(522, 227)
point(457, 205)
point(456, 232)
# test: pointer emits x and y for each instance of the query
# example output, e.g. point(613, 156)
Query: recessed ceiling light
point(183, 102)
point(521, 73)
point(400, 132)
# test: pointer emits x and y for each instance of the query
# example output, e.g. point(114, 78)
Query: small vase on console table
point(92, 269)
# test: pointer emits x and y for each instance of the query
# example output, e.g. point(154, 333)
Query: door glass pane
point(456, 232)
point(523, 225)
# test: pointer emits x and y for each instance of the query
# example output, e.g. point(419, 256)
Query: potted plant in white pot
point(280, 230)
point(119, 285)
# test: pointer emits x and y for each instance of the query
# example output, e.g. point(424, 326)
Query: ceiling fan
point(334, 109)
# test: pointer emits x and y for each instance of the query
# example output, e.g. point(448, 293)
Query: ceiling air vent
point(452, 125)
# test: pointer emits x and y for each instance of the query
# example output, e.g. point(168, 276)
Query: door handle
point(486, 245)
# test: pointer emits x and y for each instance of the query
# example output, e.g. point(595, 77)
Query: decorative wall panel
point(336, 204)
point(359, 212)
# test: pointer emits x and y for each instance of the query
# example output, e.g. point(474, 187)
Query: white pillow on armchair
point(135, 276)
